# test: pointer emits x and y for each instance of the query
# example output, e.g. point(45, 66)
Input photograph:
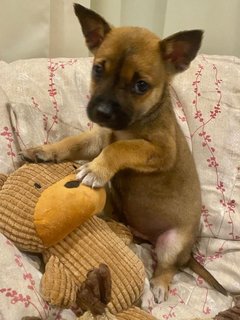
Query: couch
point(44, 100)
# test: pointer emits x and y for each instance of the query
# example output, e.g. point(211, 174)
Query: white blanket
point(44, 100)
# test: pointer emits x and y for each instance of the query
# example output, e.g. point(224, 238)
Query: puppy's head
point(131, 68)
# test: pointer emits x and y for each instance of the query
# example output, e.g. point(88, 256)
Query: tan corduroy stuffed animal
point(41, 211)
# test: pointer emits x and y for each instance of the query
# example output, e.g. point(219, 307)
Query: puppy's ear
point(180, 49)
point(94, 27)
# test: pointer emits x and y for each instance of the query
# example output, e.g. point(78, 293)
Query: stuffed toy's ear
point(180, 49)
point(94, 27)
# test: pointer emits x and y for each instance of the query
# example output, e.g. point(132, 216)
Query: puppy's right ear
point(180, 49)
point(94, 27)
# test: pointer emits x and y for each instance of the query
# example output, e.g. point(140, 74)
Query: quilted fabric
point(44, 100)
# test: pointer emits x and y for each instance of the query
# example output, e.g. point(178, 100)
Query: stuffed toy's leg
point(57, 285)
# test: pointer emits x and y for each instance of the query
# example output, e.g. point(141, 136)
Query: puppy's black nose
point(104, 112)
point(108, 113)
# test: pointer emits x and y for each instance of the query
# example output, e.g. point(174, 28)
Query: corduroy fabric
point(57, 284)
point(18, 198)
point(3, 178)
point(69, 261)
point(94, 243)
point(121, 231)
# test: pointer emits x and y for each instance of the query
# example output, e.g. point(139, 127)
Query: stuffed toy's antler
point(95, 292)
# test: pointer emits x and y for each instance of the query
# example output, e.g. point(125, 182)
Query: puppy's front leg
point(139, 155)
point(85, 146)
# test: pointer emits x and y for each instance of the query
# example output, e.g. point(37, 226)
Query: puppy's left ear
point(94, 27)
point(180, 49)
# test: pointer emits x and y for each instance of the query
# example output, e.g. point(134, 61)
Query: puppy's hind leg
point(172, 251)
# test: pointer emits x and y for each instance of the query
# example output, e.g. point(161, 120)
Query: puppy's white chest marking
point(168, 245)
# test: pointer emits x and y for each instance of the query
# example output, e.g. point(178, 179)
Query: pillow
point(8, 141)
point(46, 102)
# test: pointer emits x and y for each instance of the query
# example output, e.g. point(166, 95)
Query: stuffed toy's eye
point(37, 185)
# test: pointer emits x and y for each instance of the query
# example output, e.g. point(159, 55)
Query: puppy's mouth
point(109, 114)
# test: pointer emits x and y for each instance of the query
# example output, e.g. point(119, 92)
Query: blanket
point(44, 100)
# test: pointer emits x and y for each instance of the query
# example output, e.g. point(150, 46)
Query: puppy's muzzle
point(108, 114)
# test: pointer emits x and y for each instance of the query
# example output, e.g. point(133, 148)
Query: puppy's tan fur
point(145, 154)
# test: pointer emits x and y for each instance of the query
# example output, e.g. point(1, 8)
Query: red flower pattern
point(8, 135)
point(27, 299)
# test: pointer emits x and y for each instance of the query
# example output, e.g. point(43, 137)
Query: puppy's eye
point(141, 87)
point(97, 70)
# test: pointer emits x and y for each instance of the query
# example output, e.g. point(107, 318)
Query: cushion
point(47, 103)
point(44, 100)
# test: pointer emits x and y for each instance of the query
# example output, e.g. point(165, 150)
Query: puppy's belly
point(153, 203)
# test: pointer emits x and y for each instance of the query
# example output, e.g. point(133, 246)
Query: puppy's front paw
point(93, 175)
point(38, 154)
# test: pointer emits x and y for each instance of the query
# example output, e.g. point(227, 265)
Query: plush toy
point(64, 206)
point(42, 209)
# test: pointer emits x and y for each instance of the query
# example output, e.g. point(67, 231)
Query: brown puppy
point(138, 144)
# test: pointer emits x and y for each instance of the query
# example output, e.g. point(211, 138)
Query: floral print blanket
point(44, 100)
